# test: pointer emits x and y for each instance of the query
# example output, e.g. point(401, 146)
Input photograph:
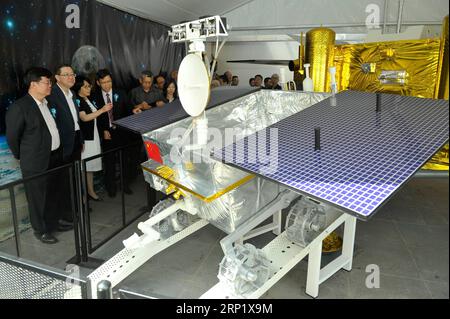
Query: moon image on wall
point(87, 60)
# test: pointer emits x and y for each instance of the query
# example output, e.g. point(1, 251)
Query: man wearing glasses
point(112, 136)
point(68, 120)
point(35, 140)
point(64, 100)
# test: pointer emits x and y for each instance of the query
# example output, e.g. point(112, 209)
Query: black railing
point(87, 220)
point(44, 271)
point(79, 204)
point(10, 187)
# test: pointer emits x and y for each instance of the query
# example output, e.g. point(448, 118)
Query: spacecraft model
point(234, 158)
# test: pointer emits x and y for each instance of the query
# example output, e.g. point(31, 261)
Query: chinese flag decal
point(153, 152)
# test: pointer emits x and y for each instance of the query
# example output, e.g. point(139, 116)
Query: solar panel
point(368, 145)
point(172, 112)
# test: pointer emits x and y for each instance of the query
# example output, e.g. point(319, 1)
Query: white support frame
point(277, 217)
point(284, 255)
point(247, 229)
point(275, 227)
point(316, 275)
point(127, 260)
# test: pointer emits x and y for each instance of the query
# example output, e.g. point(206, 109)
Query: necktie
point(110, 112)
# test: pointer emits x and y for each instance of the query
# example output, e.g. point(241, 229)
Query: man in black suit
point(35, 140)
point(68, 121)
point(112, 137)
point(64, 100)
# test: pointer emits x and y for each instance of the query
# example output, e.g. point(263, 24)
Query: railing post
point(85, 201)
point(79, 186)
point(104, 290)
point(122, 182)
point(14, 218)
point(75, 216)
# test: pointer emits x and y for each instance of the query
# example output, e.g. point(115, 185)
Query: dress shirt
point(72, 107)
point(50, 121)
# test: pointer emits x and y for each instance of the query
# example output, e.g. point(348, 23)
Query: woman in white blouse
point(88, 115)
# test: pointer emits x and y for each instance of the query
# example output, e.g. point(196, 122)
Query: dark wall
point(34, 33)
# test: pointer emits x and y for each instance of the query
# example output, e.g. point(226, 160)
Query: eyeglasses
point(88, 86)
point(69, 75)
point(45, 83)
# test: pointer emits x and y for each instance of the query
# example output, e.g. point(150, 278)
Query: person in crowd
point(251, 82)
point(111, 137)
point(145, 96)
point(63, 99)
point(227, 78)
point(235, 80)
point(267, 83)
point(170, 92)
point(222, 80)
point(258, 80)
point(275, 82)
point(160, 83)
point(35, 140)
point(174, 76)
point(88, 115)
point(68, 121)
point(215, 84)
point(217, 77)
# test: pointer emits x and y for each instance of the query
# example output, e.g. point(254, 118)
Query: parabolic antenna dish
point(193, 85)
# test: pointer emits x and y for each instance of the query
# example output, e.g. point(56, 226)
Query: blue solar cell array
point(172, 112)
point(365, 155)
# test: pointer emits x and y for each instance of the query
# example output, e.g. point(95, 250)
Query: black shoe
point(127, 190)
point(46, 238)
point(65, 222)
point(63, 228)
point(99, 199)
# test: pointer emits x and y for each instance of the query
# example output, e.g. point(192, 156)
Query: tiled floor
point(408, 239)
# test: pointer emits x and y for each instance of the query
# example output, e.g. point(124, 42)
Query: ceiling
point(170, 12)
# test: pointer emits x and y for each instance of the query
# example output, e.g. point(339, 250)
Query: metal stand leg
point(277, 223)
point(289, 258)
point(313, 279)
point(349, 241)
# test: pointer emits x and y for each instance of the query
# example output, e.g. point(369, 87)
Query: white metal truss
point(201, 29)
point(284, 255)
point(127, 260)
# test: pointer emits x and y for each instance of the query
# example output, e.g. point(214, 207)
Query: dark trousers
point(112, 159)
point(69, 193)
point(43, 195)
point(77, 148)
